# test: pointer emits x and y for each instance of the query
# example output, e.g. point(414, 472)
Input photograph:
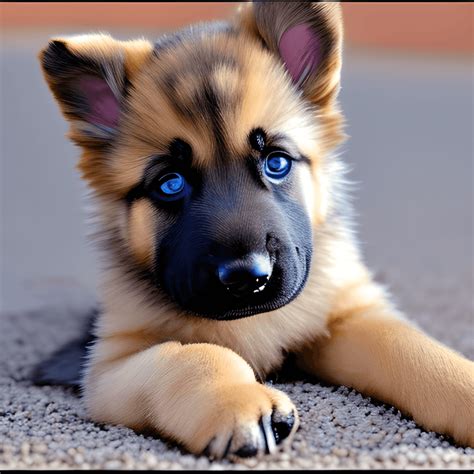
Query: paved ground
point(410, 121)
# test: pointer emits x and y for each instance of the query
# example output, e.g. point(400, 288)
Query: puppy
point(226, 235)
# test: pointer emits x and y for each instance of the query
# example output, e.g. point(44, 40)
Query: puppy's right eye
point(170, 187)
point(277, 165)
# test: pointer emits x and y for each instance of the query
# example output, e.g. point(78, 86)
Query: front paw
point(245, 420)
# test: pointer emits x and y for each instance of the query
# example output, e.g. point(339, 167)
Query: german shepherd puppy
point(226, 234)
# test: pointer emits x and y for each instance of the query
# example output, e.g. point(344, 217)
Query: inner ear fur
point(270, 21)
point(87, 75)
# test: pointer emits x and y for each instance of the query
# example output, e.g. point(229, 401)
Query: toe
point(249, 438)
point(218, 447)
point(247, 451)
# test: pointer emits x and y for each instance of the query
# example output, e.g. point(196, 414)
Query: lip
point(259, 308)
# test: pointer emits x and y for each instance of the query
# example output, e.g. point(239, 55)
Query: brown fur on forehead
point(211, 93)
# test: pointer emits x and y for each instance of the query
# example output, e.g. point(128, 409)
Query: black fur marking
point(233, 216)
point(211, 103)
point(167, 84)
point(205, 105)
point(257, 139)
point(127, 88)
point(65, 366)
point(64, 67)
point(188, 250)
point(181, 150)
point(60, 62)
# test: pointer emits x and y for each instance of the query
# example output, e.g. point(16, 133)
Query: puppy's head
point(206, 151)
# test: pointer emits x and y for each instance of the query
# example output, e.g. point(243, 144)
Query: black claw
point(207, 449)
point(247, 451)
point(226, 451)
point(283, 426)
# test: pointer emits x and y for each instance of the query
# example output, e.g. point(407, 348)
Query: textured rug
point(46, 427)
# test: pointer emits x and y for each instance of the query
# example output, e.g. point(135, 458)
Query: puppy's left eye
point(277, 165)
point(172, 183)
point(170, 187)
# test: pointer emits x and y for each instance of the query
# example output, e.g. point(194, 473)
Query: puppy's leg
point(381, 355)
point(203, 396)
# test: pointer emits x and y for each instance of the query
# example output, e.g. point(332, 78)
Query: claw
point(266, 427)
point(227, 448)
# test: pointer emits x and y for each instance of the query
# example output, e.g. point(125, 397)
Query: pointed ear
point(307, 37)
point(88, 75)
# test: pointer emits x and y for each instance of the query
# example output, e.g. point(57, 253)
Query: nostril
point(247, 275)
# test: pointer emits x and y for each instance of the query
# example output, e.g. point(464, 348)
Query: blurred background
point(407, 93)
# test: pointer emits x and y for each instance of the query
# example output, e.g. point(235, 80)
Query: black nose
point(246, 275)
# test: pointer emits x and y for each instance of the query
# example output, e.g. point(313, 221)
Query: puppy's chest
point(263, 340)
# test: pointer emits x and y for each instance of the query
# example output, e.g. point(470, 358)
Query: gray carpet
point(46, 427)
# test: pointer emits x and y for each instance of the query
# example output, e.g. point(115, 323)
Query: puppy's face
point(205, 150)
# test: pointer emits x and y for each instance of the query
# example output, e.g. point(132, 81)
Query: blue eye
point(277, 165)
point(171, 186)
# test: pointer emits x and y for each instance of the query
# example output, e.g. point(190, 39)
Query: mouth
point(266, 298)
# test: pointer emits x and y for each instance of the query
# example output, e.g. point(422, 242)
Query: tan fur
point(156, 119)
point(193, 379)
point(370, 349)
point(212, 396)
point(141, 231)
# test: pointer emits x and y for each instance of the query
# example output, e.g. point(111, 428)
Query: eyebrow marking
point(257, 139)
point(156, 163)
point(261, 141)
point(181, 150)
point(179, 155)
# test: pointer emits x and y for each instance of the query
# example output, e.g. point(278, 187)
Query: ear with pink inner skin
point(301, 51)
point(87, 78)
point(103, 106)
point(307, 37)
